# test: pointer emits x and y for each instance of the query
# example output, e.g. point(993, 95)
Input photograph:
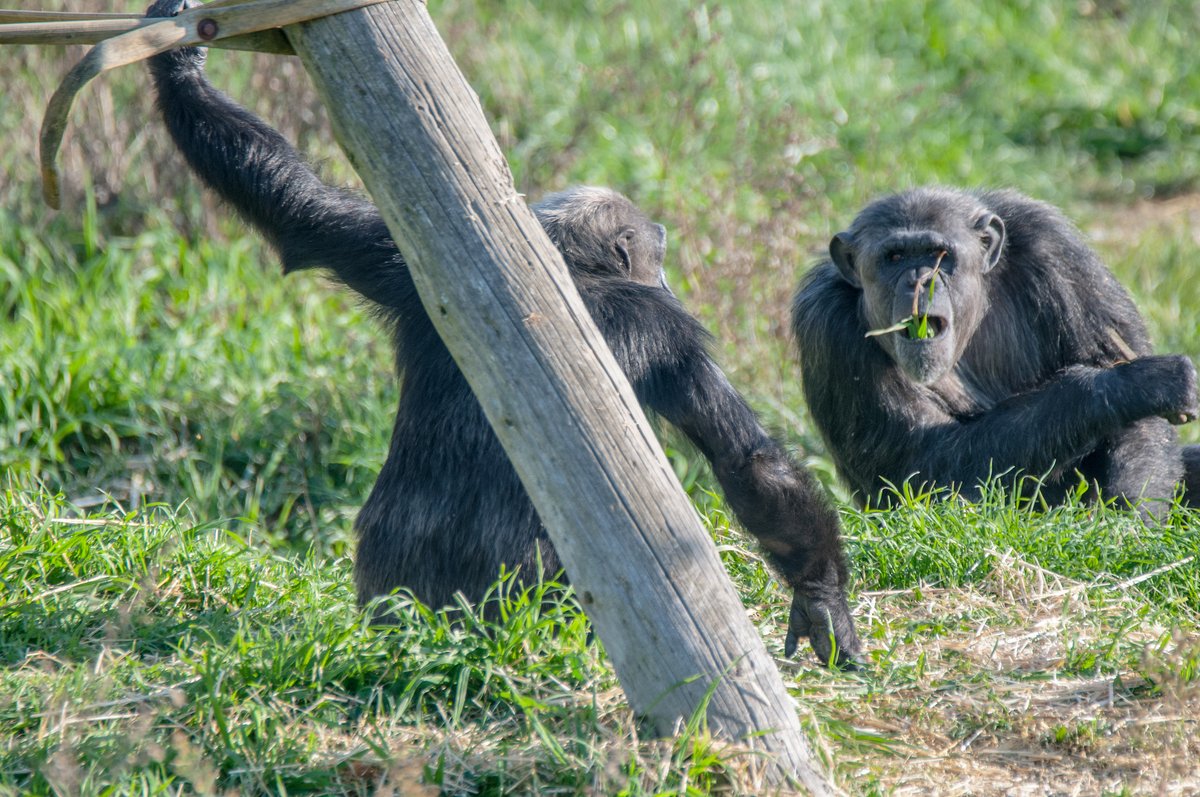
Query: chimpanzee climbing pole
point(500, 296)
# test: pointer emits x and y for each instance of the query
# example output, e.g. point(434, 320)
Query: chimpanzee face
point(921, 278)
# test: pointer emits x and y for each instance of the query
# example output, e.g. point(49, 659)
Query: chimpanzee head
point(601, 234)
point(921, 257)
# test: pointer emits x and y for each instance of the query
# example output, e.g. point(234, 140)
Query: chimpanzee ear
point(841, 252)
point(623, 246)
point(991, 232)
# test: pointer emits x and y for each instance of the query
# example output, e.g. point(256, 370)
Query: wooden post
point(500, 296)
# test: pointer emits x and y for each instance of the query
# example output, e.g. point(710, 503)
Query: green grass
point(143, 653)
point(185, 436)
point(150, 365)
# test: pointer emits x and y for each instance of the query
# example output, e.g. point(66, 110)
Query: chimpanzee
point(448, 509)
point(953, 336)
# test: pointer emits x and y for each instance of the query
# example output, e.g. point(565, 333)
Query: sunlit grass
point(185, 435)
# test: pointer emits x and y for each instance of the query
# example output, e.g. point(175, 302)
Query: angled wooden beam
point(500, 296)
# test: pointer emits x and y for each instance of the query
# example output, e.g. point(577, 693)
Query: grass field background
point(185, 436)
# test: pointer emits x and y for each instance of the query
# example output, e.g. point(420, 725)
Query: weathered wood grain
point(501, 298)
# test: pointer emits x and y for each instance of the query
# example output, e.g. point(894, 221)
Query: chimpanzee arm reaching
point(777, 501)
point(256, 170)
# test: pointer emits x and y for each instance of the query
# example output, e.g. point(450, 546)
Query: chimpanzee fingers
point(823, 645)
point(1185, 415)
point(168, 8)
point(848, 662)
point(829, 628)
point(1162, 385)
point(799, 626)
point(790, 642)
point(184, 60)
point(1192, 405)
point(837, 648)
point(833, 651)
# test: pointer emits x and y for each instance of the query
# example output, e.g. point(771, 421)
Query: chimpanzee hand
point(1163, 385)
point(184, 59)
point(820, 612)
point(169, 8)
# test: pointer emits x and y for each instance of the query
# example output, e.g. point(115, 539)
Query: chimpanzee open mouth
point(934, 325)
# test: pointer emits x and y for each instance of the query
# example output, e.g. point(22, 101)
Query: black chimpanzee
point(1032, 359)
point(448, 509)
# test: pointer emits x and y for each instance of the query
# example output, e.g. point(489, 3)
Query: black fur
point(448, 509)
point(1029, 375)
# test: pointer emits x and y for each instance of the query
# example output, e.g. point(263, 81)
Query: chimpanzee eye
point(895, 257)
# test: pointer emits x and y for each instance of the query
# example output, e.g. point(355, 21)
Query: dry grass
point(994, 707)
point(990, 707)
point(1148, 217)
